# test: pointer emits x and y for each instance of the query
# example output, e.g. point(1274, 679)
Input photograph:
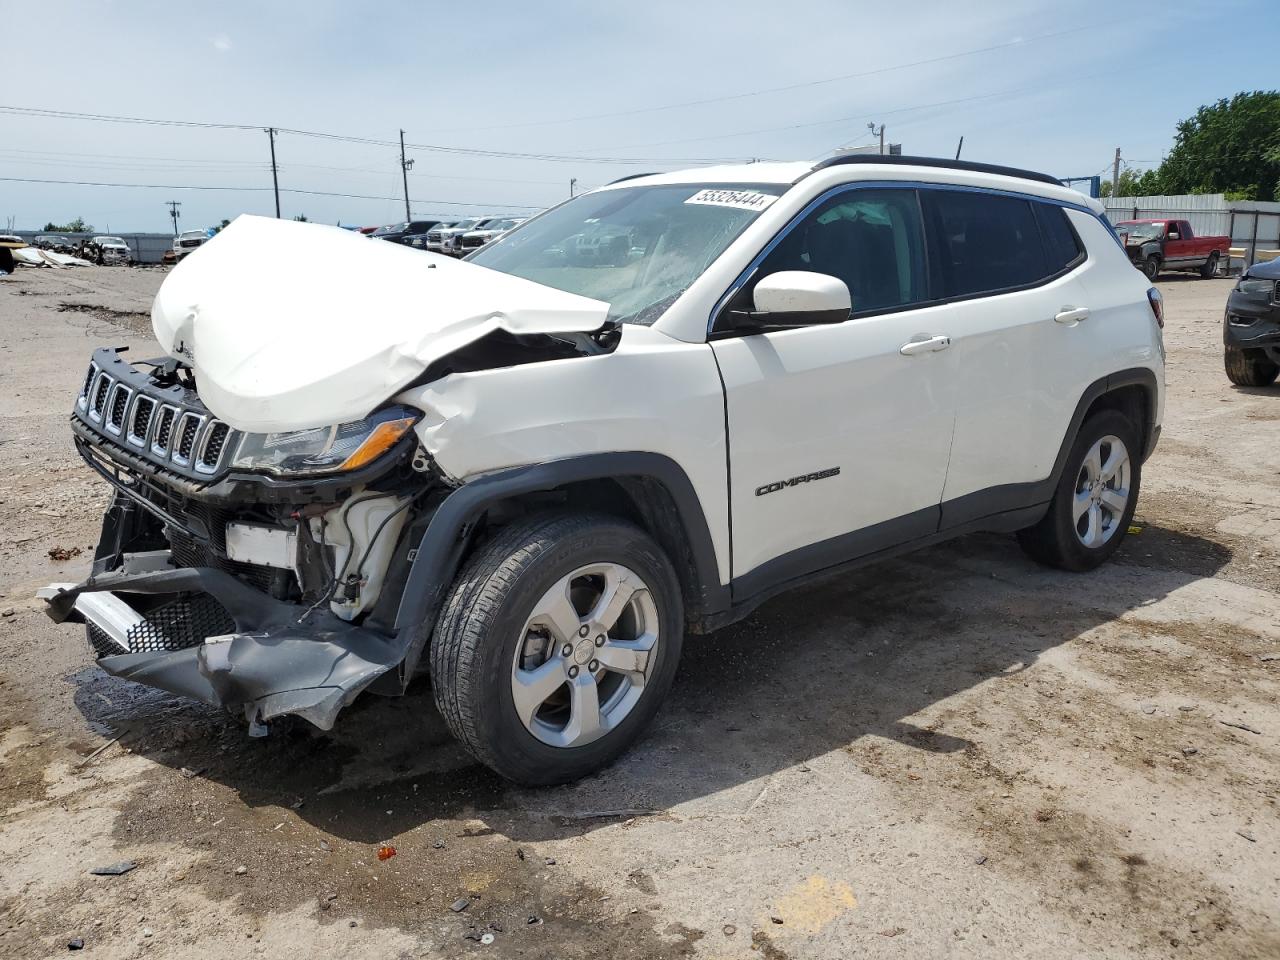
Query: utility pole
point(404, 172)
point(573, 182)
point(173, 212)
point(275, 182)
point(1115, 175)
point(959, 147)
point(879, 133)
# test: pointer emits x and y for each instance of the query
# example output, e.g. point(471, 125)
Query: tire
point(489, 636)
point(1249, 368)
point(1062, 537)
point(1209, 268)
point(1151, 267)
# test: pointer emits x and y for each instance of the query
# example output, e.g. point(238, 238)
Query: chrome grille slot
point(100, 391)
point(83, 400)
point(118, 407)
point(215, 441)
point(164, 430)
point(144, 409)
point(187, 433)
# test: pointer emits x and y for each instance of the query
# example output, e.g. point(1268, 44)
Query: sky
point(585, 90)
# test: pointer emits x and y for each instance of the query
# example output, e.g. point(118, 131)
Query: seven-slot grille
point(187, 440)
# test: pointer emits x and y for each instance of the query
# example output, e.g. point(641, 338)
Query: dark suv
point(1251, 327)
point(400, 232)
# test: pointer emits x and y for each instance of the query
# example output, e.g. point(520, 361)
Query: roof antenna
point(959, 147)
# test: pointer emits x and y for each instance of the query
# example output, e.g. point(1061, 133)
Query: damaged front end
point(270, 594)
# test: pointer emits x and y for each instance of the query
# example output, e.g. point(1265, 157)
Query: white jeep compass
point(633, 418)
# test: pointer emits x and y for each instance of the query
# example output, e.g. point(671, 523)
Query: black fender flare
point(439, 553)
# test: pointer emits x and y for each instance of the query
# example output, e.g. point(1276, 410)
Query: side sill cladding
point(440, 551)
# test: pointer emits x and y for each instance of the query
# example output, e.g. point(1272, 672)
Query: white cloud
point(221, 43)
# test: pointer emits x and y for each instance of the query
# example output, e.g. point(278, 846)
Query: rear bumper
point(282, 658)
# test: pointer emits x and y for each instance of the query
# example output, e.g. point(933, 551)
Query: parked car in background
point(400, 232)
point(112, 250)
point(48, 241)
point(1251, 327)
point(1156, 245)
point(445, 239)
point(187, 241)
point(797, 368)
point(492, 229)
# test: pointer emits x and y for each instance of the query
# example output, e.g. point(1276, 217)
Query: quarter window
point(1061, 245)
point(871, 239)
point(985, 242)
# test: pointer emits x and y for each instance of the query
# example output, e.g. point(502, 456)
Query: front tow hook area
point(282, 658)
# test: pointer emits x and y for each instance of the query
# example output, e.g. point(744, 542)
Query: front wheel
point(1095, 497)
point(1250, 368)
point(557, 645)
point(1151, 267)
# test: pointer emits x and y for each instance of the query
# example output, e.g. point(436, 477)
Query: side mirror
point(1173, 235)
point(796, 298)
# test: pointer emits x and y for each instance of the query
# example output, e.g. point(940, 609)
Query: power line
point(312, 193)
point(371, 141)
point(791, 86)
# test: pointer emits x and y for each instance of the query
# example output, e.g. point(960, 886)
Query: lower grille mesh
point(178, 624)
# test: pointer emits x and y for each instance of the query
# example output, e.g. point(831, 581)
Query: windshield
point(636, 248)
point(1141, 231)
point(113, 240)
point(466, 224)
point(391, 228)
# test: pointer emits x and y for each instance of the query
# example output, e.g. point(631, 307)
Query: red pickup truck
point(1155, 245)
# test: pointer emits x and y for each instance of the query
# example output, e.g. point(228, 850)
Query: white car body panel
point(652, 394)
point(279, 342)
point(842, 395)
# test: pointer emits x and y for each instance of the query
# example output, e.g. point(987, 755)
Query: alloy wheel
point(1102, 491)
point(585, 655)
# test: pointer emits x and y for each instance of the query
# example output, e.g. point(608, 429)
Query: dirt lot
point(955, 754)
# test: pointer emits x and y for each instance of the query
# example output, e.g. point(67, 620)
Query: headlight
point(1254, 286)
point(325, 449)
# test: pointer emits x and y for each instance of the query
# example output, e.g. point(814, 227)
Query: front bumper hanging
point(282, 658)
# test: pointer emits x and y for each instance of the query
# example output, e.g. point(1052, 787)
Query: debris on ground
point(241, 870)
point(63, 553)
point(1247, 835)
point(114, 869)
point(1240, 726)
point(386, 852)
point(460, 904)
point(75, 943)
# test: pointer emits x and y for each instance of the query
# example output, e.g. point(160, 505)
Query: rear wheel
point(1210, 267)
point(1151, 267)
point(557, 645)
point(1250, 368)
point(1095, 497)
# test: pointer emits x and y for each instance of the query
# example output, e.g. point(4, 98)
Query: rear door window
point(985, 243)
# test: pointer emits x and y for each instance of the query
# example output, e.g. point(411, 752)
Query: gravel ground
point(953, 754)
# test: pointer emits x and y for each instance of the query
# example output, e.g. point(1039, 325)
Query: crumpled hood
point(295, 325)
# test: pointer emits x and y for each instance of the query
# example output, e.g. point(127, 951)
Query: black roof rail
point(633, 176)
point(943, 162)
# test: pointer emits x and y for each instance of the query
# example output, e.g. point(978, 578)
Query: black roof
point(969, 165)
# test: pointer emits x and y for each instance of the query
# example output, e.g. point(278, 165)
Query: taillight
point(1157, 305)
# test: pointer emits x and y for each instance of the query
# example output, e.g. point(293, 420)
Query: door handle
point(1072, 314)
point(925, 345)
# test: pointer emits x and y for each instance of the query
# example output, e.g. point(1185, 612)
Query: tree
point(1232, 146)
point(302, 218)
point(75, 226)
point(1134, 184)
